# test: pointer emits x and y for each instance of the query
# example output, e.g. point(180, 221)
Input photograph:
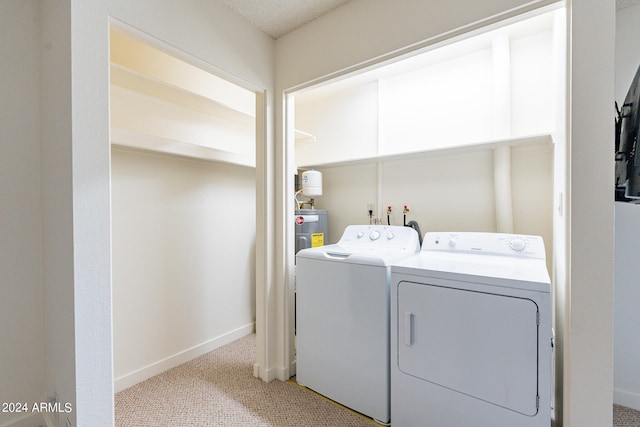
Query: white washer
point(342, 316)
point(471, 333)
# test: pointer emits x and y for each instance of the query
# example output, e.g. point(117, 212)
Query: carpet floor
point(219, 389)
point(625, 417)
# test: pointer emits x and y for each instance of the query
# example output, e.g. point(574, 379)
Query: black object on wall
point(627, 158)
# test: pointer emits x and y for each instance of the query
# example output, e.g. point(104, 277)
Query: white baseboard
point(151, 370)
point(266, 375)
point(27, 420)
point(626, 398)
point(283, 374)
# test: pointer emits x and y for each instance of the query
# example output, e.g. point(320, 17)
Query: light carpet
point(219, 389)
point(625, 417)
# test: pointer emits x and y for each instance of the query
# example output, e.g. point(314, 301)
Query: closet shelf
point(542, 140)
point(302, 136)
point(129, 139)
point(129, 83)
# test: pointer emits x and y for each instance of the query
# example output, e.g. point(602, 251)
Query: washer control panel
point(520, 245)
point(380, 236)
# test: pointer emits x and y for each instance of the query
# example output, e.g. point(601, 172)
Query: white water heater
point(312, 183)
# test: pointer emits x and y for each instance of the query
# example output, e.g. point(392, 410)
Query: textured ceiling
point(277, 17)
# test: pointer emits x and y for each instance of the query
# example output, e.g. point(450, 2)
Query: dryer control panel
point(518, 245)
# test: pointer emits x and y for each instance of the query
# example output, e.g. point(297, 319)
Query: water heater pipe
point(502, 189)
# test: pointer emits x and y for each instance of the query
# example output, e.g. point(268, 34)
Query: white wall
point(351, 37)
point(588, 214)
point(450, 190)
point(344, 125)
point(21, 293)
point(183, 259)
point(210, 34)
point(57, 213)
point(302, 55)
point(71, 258)
point(626, 350)
point(450, 100)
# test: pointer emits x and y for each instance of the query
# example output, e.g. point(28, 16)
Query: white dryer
point(471, 333)
point(342, 316)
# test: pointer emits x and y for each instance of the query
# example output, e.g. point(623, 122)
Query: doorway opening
point(432, 128)
point(183, 180)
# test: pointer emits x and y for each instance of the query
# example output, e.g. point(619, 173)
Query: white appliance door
point(480, 344)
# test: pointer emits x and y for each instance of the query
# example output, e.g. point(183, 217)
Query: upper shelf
point(304, 136)
point(129, 53)
point(125, 138)
point(162, 103)
point(540, 140)
point(124, 79)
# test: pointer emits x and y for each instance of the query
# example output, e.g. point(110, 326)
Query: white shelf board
point(125, 138)
point(303, 136)
point(129, 83)
point(542, 140)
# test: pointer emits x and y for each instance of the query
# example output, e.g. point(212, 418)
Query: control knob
point(375, 235)
point(517, 244)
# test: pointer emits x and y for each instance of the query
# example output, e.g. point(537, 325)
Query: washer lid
point(368, 244)
point(356, 254)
